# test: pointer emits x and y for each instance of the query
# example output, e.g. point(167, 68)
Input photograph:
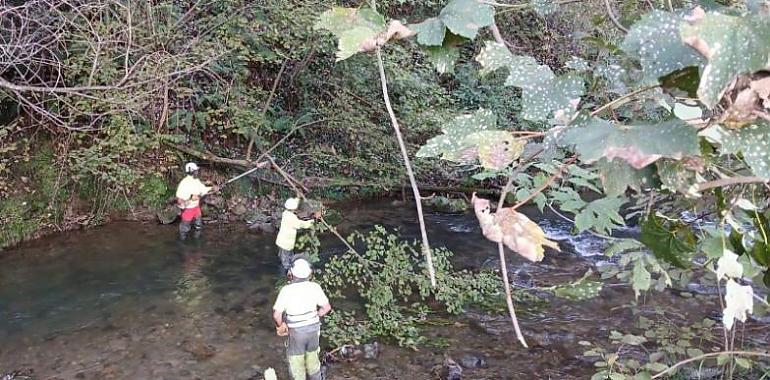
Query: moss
point(15, 222)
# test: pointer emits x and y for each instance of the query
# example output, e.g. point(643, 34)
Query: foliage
point(389, 277)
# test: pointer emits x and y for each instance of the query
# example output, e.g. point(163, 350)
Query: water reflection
point(192, 284)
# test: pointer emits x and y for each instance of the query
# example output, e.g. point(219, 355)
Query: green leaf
point(623, 245)
point(753, 141)
point(430, 32)
point(543, 93)
point(761, 253)
point(639, 145)
point(743, 362)
point(451, 144)
point(633, 340)
point(617, 176)
point(655, 42)
point(674, 176)
point(601, 215)
point(352, 27)
point(640, 278)
point(733, 44)
point(443, 58)
point(578, 291)
point(642, 376)
point(672, 243)
point(466, 17)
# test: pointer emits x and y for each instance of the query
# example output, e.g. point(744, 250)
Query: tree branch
point(729, 182)
point(409, 172)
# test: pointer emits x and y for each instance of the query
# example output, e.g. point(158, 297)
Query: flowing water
point(128, 301)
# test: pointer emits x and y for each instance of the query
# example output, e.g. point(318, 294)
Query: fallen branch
point(729, 182)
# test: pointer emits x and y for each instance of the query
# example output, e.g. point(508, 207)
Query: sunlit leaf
point(739, 302)
point(655, 40)
point(496, 149)
point(733, 45)
point(443, 58)
point(513, 229)
point(640, 278)
point(639, 145)
point(451, 144)
point(729, 266)
point(352, 26)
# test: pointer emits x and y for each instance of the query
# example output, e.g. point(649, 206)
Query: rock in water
point(452, 370)
point(168, 215)
point(270, 374)
point(371, 350)
point(470, 361)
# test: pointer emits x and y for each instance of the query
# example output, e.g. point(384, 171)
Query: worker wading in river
point(188, 197)
point(287, 234)
point(303, 302)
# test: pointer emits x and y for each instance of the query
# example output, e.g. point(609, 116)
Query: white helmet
point(301, 269)
point(190, 167)
point(291, 204)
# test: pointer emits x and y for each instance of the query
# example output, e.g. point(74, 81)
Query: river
point(128, 301)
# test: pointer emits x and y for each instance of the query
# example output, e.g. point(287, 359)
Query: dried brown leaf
point(513, 229)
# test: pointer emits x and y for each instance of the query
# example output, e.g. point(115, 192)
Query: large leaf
point(543, 93)
point(672, 242)
point(466, 17)
point(353, 27)
point(617, 176)
point(733, 45)
point(656, 42)
point(443, 58)
point(739, 302)
point(580, 290)
point(639, 145)
point(469, 137)
point(430, 32)
point(641, 280)
point(601, 215)
point(752, 141)
point(451, 144)
point(513, 229)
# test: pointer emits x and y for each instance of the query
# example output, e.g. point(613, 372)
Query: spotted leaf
point(617, 176)
point(752, 141)
point(578, 291)
point(496, 149)
point(544, 94)
point(451, 145)
point(466, 17)
point(543, 7)
point(732, 45)
point(656, 42)
point(638, 145)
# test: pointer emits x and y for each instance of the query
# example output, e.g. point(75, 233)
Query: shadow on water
point(129, 301)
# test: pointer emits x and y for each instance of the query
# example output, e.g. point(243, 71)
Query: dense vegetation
point(655, 112)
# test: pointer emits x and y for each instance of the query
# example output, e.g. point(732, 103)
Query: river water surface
point(128, 301)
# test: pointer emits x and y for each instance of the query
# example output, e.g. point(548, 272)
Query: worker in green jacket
point(287, 234)
point(303, 302)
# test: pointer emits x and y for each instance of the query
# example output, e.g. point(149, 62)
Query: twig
point(710, 355)
point(729, 181)
point(613, 17)
point(546, 184)
point(624, 97)
point(409, 172)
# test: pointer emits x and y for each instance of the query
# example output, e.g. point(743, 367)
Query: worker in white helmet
point(303, 303)
point(188, 196)
point(287, 234)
